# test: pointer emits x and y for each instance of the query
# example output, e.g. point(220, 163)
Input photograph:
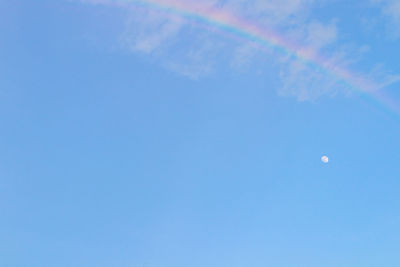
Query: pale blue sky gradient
point(109, 157)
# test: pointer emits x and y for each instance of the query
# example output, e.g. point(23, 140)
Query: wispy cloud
point(391, 9)
point(195, 49)
point(148, 30)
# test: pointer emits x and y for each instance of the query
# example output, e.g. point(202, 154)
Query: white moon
point(325, 159)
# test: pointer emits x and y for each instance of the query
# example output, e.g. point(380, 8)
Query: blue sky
point(131, 137)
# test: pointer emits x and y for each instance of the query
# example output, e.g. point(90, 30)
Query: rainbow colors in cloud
point(249, 30)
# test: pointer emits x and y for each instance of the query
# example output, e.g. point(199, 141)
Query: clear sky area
point(183, 133)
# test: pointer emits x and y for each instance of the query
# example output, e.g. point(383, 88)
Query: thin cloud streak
point(153, 31)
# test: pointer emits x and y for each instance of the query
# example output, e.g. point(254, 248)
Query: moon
point(324, 159)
